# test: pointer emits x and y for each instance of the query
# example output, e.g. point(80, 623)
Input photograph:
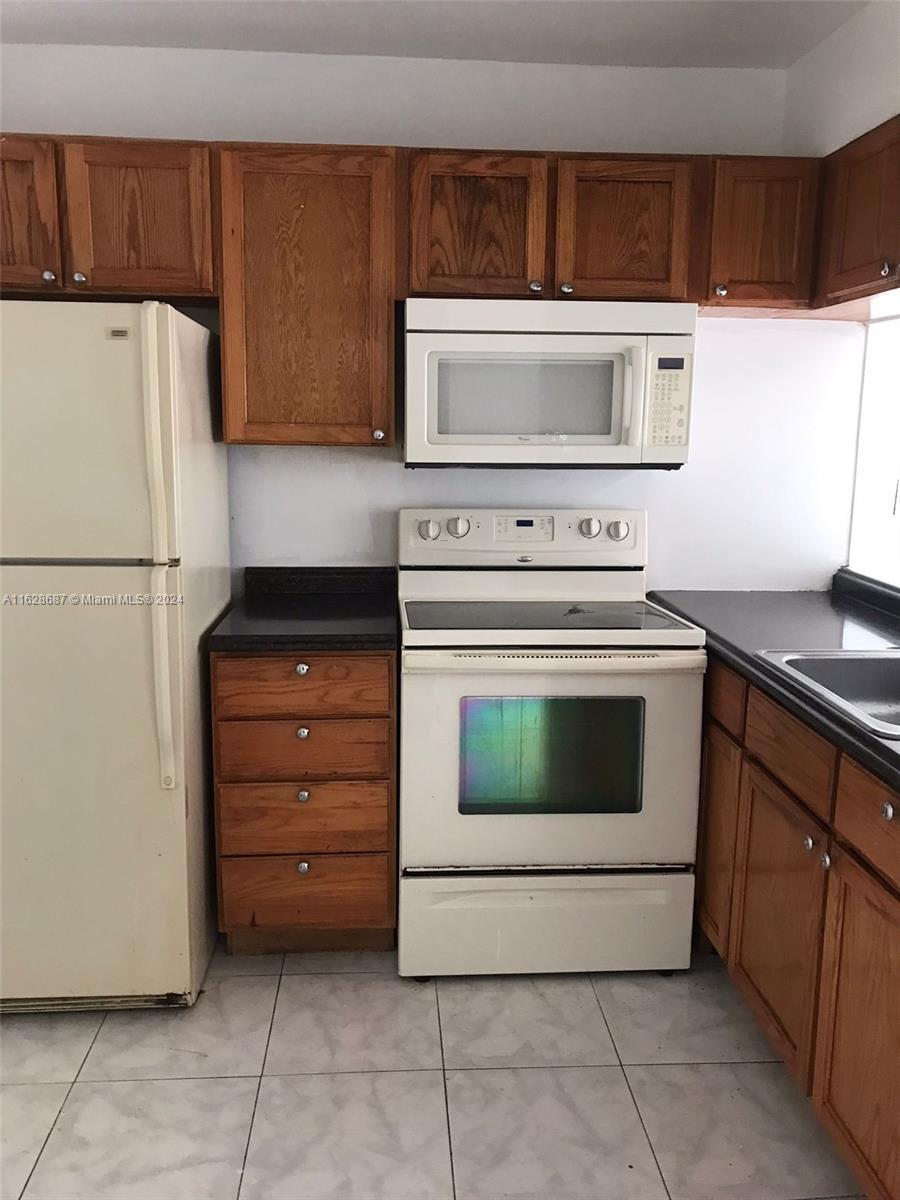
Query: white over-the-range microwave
point(548, 383)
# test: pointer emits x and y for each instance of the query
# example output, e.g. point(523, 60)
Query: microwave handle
point(633, 415)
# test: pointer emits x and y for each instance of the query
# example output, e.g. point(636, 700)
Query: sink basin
point(865, 684)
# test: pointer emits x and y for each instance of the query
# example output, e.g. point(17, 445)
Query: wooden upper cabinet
point(623, 228)
point(478, 224)
point(776, 918)
point(763, 231)
point(29, 226)
point(856, 1085)
point(307, 294)
point(138, 217)
point(719, 792)
point(861, 228)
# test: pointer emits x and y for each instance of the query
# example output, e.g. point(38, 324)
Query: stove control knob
point(589, 527)
point(458, 526)
point(429, 530)
point(618, 530)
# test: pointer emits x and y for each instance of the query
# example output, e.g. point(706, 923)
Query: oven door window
point(551, 754)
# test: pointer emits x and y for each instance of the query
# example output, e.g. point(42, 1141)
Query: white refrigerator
point(114, 549)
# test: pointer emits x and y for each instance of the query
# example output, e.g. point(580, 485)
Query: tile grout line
point(437, 1000)
point(262, 1067)
point(630, 1091)
point(65, 1099)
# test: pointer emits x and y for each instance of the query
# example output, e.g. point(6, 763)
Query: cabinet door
point(622, 228)
point(138, 217)
point(776, 920)
point(307, 295)
point(856, 1085)
point(478, 224)
point(861, 234)
point(720, 789)
point(764, 222)
point(29, 224)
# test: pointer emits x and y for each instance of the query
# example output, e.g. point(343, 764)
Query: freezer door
point(94, 888)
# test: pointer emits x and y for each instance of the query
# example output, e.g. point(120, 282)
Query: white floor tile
point(27, 1111)
point(319, 962)
point(224, 965)
point(45, 1047)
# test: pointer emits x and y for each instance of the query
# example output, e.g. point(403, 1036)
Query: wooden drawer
point(270, 750)
point(277, 686)
point(305, 817)
point(802, 760)
point(867, 815)
point(726, 697)
point(339, 891)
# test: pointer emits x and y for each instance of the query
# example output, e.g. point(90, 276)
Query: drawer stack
point(304, 765)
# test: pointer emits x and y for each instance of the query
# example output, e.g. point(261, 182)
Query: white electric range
point(550, 746)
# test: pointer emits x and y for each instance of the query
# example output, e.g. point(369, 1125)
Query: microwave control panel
point(670, 391)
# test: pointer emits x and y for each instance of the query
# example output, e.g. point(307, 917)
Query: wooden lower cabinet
point(720, 789)
point(776, 920)
point(326, 890)
point(856, 1085)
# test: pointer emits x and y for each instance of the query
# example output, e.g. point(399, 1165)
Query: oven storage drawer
point(271, 750)
point(337, 891)
point(466, 924)
point(280, 685)
point(303, 817)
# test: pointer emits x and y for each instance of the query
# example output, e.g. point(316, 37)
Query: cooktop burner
point(538, 614)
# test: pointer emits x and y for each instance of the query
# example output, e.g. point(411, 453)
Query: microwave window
point(514, 397)
point(551, 754)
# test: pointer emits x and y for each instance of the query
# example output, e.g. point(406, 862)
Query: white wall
point(847, 84)
point(221, 94)
point(764, 502)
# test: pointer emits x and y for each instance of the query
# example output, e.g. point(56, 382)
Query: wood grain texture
point(725, 697)
point(339, 890)
point(271, 750)
point(856, 1084)
point(861, 223)
point(138, 216)
point(861, 803)
point(288, 938)
point(29, 213)
point(763, 231)
point(719, 794)
point(307, 295)
point(776, 920)
point(478, 224)
point(334, 684)
point(799, 758)
point(268, 818)
point(623, 227)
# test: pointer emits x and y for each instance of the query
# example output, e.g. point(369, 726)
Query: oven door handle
point(441, 662)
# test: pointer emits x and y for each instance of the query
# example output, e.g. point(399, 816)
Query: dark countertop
point(311, 608)
point(738, 624)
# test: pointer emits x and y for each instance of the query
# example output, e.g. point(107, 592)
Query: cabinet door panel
point(138, 216)
point(29, 222)
point(764, 219)
point(856, 1087)
point(478, 224)
point(718, 828)
point(307, 295)
point(623, 228)
point(776, 921)
point(861, 234)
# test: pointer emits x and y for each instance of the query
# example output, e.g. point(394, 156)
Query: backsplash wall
point(763, 503)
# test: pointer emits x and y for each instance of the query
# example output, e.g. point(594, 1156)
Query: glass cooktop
point(538, 614)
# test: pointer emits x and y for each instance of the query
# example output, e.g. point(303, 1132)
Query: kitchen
point(473, 652)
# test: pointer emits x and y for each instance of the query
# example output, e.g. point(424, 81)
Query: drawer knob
point(302, 732)
point(825, 860)
point(302, 796)
point(720, 289)
point(79, 277)
point(566, 288)
point(887, 810)
point(808, 843)
point(302, 668)
point(302, 868)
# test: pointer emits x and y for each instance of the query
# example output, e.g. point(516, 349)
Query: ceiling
point(626, 33)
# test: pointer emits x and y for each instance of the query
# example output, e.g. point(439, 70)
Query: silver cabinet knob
point(825, 860)
point(618, 531)
point(303, 868)
point(378, 435)
point(429, 530)
point(808, 843)
point(458, 526)
point(48, 276)
point(885, 269)
point(302, 796)
point(535, 286)
point(589, 527)
point(79, 277)
point(302, 668)
point(302, 732)
point(566, 289)
point(721, 289)
point(887, 810)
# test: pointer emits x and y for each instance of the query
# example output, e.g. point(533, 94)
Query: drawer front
point(302, 685)
point(726, 697)
point(304, 817)
point(337, 891)
point(867, 815)
point(802, 760)
point(272, 750)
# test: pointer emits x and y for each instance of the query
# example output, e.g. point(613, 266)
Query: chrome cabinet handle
point(48, 276)
point(887, 810)
point(721, 289)
point(302, 668)
point(885, 269)
point(535, 286)
point(825, 860)
point(79, 277)
point(303, 796)
point(303, 868)
point(566, 289)
point(302, 732)
point(378, 435)
point(808, 843)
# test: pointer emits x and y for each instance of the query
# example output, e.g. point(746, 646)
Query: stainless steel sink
point(865, 684)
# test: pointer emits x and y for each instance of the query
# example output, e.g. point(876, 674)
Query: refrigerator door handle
point(162, 679)
point(159, 523)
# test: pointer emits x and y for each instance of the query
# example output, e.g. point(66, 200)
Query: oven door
point(546, 400)
point(513, 759)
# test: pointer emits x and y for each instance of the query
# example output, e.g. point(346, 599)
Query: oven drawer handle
point(440, 662)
